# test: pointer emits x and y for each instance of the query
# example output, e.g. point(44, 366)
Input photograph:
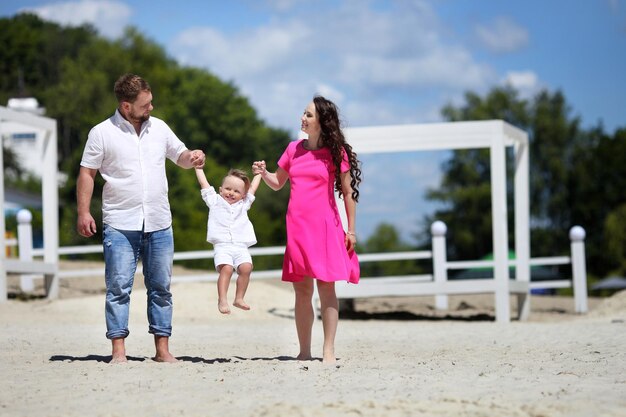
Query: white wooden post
point(579, 268)
point(25, 246)
point(3, 250)
point(500, 229)
point(50, 194)
point(438, 230)
point(522, 229)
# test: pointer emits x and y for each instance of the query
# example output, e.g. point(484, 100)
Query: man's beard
point(141, 118)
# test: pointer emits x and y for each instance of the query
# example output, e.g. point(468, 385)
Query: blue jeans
point(122, 250)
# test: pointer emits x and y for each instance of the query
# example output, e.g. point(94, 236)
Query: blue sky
point(382, 62)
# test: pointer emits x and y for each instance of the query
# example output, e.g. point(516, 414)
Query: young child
point(230, 231)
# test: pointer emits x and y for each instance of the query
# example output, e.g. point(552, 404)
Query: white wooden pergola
point(495, 135)
point(49, 266)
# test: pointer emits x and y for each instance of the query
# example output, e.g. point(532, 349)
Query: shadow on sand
point(408, 316)
point(275, 358)
point(90, 358)
point(197, 359)
point(352, 314)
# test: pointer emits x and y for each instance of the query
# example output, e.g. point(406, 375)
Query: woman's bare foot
point(331, 360)
point(241, 304)
point(329, 357)
point(223, 307)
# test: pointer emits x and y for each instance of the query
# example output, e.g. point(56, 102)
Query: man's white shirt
point(135, 193)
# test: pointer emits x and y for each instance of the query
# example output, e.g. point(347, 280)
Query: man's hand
point(86, 225)
point(197, 158)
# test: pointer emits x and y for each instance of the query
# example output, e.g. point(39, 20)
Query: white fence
point(436, 284)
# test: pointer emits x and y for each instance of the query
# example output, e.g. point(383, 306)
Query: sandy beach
point(396, 357)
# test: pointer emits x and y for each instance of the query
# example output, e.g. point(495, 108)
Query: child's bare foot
point(223, 307)
point(241, 304)
point(166, 357)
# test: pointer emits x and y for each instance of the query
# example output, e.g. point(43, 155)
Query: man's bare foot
point(118, 351)
point(165, 357)
point(118, 359)
point(223, 307)
point(304, 357)
point(241, 304)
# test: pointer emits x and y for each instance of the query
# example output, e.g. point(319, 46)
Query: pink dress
point(315, 236)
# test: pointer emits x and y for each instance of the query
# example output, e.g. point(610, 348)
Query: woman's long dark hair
point(332, 137)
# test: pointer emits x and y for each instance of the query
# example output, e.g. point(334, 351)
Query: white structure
point(437, 284)
point(25, 140)
point(495, 135)
point(48, 163)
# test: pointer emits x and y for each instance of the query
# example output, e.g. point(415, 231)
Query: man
point(129, 150)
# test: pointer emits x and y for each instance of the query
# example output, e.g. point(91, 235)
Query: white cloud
point(442, 67)
point(108, 17)
point(253, 53)
point(330, 93)
point(354, 53)
point(503, 35)
point(525, 82)
point(283, 5)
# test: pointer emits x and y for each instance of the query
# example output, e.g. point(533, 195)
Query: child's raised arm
point(254, 185)
point(204, 183)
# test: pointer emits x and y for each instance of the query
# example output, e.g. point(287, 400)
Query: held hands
point(258, 167)
point(197, 158)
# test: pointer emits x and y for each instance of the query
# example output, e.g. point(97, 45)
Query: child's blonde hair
point(242, 175)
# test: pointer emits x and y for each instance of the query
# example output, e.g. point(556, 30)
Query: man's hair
point(128, 87)
point(238, 173)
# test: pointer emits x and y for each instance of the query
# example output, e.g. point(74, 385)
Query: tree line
point(577, 175)
point(71, 71)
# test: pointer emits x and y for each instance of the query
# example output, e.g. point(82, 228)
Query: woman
point(317, 246)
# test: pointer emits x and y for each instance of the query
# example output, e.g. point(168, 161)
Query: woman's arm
point(350, 205)
point(274, 180)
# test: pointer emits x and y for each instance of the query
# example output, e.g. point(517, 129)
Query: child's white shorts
point(233, 254)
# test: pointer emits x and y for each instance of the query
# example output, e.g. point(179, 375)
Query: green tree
point(32, 50)
point(11, 165)
point(72, 70)
point(387, 239)
point(615, 234)
point(465, 187)
point(597, 198)
point(576, 177)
